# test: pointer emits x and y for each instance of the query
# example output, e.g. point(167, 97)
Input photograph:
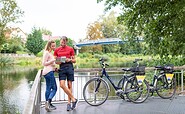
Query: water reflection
point(15, 85)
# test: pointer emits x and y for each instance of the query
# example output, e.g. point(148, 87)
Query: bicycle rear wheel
point(96, 91)
point(165, 89)
point(135, 92)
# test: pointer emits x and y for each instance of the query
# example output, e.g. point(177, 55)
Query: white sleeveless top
point(48, 62)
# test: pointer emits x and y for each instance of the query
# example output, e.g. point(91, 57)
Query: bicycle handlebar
point(136, 60)
point(101, 59)
point(102, 62)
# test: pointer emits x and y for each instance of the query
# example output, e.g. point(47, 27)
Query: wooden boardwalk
point(153, 105)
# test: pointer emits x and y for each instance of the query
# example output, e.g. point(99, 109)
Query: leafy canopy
point(161, 23)
point(9, 13)
point(35, 42)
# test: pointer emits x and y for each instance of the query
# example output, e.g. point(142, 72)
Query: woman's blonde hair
point(48, 45)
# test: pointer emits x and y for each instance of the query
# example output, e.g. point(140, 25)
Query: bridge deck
point(153, 105)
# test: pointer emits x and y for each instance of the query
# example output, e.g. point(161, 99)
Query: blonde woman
point(48, 73)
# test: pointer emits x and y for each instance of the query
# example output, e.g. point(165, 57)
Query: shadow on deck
point(153, 105)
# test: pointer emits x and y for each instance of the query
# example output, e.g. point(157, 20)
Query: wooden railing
point(34, 101)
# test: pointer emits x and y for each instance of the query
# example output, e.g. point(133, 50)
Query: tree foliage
point(14, 44)
point(46, 32)
point(35, 42)
point(69, 42)
point(9, 13)
point(160, 22)
point(93, 33)
point(111, 29)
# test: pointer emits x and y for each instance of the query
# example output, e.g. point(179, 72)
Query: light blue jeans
point(51, 86)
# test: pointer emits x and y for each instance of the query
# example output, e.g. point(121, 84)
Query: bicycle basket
point(138, 70)
point(168, 68)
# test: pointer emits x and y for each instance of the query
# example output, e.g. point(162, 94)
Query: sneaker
point(52, 107)
point(47, 106)
point(74, 104)
point(69, 107)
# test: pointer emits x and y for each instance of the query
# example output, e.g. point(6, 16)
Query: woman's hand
point(57, 62)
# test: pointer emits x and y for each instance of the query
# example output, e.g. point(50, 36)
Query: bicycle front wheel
point(135, 92)
point(96, 91)
point(165, 89)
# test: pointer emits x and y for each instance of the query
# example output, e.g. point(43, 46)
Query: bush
point(21, 52)
point(97, 56)
point(40, 54)
point(5, 61)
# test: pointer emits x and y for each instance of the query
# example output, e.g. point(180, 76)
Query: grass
point(87, 60)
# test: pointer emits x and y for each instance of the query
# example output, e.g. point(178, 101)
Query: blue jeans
point(51, 86)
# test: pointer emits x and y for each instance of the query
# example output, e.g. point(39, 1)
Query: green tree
point(35, 42)
point(161, 23)
point(69, 43)
point(111, 29)
point(46, 32)
point(9, 13)
point(15, 44)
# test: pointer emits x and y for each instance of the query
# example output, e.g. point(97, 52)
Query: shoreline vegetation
point(87, 60)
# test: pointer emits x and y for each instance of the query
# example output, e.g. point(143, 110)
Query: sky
point(61, 17)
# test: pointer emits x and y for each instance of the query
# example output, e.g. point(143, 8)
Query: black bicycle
point(164, 82)
point(96, 90)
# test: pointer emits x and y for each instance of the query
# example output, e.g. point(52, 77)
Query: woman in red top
point(66, 70)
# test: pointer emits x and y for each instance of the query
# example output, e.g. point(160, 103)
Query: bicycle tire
point(164, 89)
point(95, 98)
point(135, 92)
point(121, 86)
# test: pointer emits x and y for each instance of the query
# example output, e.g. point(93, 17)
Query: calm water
point(15, 86)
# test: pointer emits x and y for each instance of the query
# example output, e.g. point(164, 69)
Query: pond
point(15, 86)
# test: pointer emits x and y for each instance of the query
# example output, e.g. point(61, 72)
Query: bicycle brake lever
point(138, 60)
point(106, 64)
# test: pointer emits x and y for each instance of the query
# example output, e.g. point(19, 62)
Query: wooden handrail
point(30, 107)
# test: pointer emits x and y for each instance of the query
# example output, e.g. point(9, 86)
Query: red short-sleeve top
point(66, 51)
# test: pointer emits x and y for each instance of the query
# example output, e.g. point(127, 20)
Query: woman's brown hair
point(48, 45)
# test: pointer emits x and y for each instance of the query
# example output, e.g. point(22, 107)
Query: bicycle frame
point(156, 77)
point(125, 78)
point(104, 73)
point(110, 80)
